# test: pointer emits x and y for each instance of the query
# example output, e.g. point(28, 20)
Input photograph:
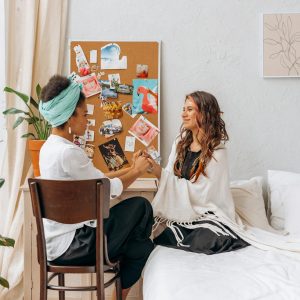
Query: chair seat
point(74, 269)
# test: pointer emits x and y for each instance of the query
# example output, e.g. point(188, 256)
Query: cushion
point(291, 196)
point(277, 184)
point(249, 203)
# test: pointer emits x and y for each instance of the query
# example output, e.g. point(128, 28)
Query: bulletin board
point(128, 75)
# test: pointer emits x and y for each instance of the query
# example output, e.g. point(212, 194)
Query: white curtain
point(35, 38)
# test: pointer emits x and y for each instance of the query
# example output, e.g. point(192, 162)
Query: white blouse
point(60, 159)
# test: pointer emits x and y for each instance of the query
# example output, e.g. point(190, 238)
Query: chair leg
point(100, 285)
point(118, 289)
point(61, 282)
point(43, 284)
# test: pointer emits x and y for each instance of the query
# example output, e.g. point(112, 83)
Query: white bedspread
point(249, 273)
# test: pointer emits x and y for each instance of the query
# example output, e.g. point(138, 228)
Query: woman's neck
point(195, 146)
point(63, 133)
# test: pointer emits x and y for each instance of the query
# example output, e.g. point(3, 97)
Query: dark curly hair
point(55, 85)
point(210, 122)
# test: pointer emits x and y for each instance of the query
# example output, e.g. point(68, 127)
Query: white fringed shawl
point(181, 201)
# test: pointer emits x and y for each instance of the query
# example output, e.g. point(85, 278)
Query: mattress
point(248, 273)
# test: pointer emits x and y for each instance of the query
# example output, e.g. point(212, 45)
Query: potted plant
point(6, 242)
point(42, 128)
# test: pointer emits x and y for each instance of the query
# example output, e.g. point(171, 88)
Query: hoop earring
point(70, 130)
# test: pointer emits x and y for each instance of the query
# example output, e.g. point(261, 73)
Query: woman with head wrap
point(129, 225)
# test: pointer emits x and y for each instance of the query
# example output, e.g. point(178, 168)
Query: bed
point(248, 273)
point(245, 274)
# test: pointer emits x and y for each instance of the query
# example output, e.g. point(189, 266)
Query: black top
point(188, 163)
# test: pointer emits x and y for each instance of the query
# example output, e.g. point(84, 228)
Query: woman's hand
point(155, 168)
point(141, 164)
point(135, 156)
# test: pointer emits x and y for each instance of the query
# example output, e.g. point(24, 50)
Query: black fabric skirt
point(201, 240)
point(128, 231)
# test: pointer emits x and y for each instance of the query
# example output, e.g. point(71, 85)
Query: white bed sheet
point(248, 273)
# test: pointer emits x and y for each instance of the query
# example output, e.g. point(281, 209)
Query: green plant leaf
point(13, 111)
point(34, 103)
point(18, 122)
point(1, 182)
point(26, 135)
point(38, 90)
point(6, 242)
point(32, 120)
point(24, 97)
point(4, 282)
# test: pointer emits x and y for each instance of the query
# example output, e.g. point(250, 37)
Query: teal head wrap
point(58, 110)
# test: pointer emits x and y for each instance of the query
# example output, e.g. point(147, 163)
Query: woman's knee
point(140, 204)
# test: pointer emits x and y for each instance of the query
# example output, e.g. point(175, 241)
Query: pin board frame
point(137, 52)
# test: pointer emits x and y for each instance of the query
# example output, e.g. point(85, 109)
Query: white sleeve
point(172, 158)
point(78, 166)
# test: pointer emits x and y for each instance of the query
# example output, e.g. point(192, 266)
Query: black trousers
point(201, 240)
point(128, 231)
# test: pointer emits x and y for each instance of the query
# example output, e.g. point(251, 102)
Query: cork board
point(137, 53)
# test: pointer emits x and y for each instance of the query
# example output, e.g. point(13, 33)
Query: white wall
point(212, 46)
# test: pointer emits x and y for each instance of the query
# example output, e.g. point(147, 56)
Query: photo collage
point(123, 114)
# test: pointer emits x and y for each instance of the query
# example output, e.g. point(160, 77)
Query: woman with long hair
point(193, 206)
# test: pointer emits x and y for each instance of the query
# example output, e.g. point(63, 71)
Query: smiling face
point(189, 114)
point(141, 128)
point(78, 122)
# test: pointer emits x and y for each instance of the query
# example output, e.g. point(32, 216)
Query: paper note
point(90, 109)
point(93, 56)
point(129, 143)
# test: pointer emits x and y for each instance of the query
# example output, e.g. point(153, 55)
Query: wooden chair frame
point(72, 202)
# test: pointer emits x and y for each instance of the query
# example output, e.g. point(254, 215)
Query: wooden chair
point(73, 202)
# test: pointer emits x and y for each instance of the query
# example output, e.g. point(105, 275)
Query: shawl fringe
point(218, 228)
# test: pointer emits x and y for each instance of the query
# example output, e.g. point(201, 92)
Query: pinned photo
point(79, 141)
point(127, 107)
point(104, 83)
point(124, 89)
point(145, 96)
point(91, 122)
point(113, 155)
point(81, 61)
point(110, 57)
point(89, 135)
point(90, 85)
point(89, 150)
point(108, 93)
point(154, 154)
point(144, 131)
point(110, 127)
point(74, 77)
point(114, 80)
point(141, 71)
point(112, 109)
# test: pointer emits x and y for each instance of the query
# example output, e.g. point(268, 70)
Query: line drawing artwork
point(281, 45)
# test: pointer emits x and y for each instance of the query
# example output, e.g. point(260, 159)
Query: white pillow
point(249, 202)
point(291, 196)
point(277, 181)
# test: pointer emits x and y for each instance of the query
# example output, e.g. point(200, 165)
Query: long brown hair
point(209, 121)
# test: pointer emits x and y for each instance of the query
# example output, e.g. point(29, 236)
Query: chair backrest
point(69, 202)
